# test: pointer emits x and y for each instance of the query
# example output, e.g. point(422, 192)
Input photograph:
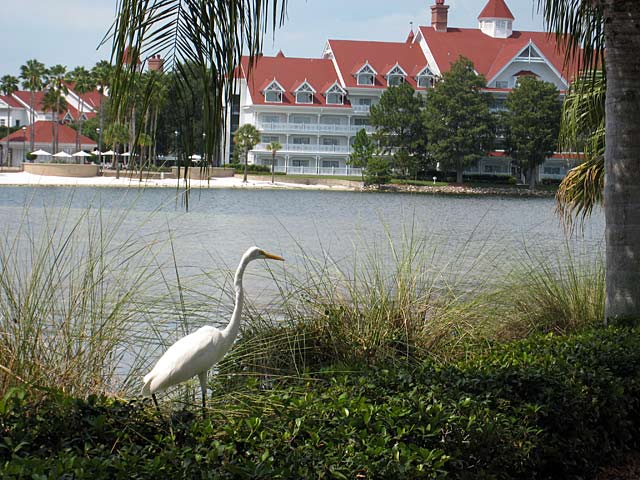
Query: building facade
point(313, 107)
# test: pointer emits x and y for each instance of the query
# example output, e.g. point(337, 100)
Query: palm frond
point(202, 42)
point(583, 131)
point(579, 29)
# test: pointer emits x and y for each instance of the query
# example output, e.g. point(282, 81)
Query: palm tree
point(32, 74)
point(8, 85)
point(273, 147)
point(54, 102)
point(102, 73)
point(57, 79)
point(204, 42)
point(116, 134)
point(246, 137)
point(592, 24)
point(84, 83)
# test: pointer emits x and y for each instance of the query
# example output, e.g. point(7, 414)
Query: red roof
point(496, 9)
point(43, 134)
point(351, 56)
point(290, 73)
point(12, 102)
point(25, 97)
point(490, 55)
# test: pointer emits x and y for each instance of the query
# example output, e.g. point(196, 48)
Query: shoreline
point(24, 179)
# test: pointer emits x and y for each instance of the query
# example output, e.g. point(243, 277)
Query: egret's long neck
point(231, 330)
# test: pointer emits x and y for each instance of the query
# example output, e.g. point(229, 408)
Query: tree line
point(453, 125)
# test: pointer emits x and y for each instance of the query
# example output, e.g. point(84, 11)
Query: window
point(396, 76)
point(552, 171)
point(271, 118)
point(329, 141)
point(304, 93)
point(2, 122)
point(364, 101)
point(330, 164)
point(529, 53)
point(425, 81)
point(270, 138)
point(361, 122)
point(273, 96)
point(304, 97)
point(17, 123)
point(335, 99)
point(502, 84)
point(273, 93)
point(304, 119)
point(301, 141)
point(366, 75)
point(299, 163)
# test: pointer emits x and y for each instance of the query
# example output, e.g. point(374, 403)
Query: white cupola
point(496, 20)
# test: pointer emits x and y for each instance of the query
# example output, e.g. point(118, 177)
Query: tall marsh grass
point(86, 307)
point(71, 292)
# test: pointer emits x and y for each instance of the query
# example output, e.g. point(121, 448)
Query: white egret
point(196, 353)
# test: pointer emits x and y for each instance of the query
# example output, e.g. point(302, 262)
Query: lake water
point(221, 223)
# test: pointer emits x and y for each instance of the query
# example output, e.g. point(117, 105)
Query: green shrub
point(251, 168)
point(549, 407)
point(377, 171)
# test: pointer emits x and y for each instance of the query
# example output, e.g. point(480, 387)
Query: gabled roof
point(43, 131)
point(12, 102)
point(496, 9)
point(304, 84)
point(290, 73)
point(351, 55)
point(490, 55)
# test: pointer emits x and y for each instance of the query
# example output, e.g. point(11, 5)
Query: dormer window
point(335, 95)
point(530, 54)
point(426, 78)
point(304, 93)
point(366, 75)
point(273, 92)
point(396, 76)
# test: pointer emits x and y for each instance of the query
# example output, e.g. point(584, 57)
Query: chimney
point(156, 63)
point(439, 16)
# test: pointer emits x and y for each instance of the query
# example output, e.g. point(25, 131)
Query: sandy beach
point(28, 179)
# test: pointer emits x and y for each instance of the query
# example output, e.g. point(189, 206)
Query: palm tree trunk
point(622, 170)
point(532, 177)
point(246, 163)
point(273, 166)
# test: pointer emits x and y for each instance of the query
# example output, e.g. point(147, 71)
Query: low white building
point(314, 107)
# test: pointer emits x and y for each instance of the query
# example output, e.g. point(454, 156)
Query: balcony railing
point(341, 171)
point(317, 128)
point(361, 108)
point(313, 147)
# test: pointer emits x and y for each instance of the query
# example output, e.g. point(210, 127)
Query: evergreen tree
point(532, 122)
point(457, 118)
point(400, 131)
point(362, 151)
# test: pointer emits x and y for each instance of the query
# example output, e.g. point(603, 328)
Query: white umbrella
point(129, 154)
point(195, 157)
point(40, 152)
point(95, 152)
point(108, 153)
point(81, 153)
point(62, 155)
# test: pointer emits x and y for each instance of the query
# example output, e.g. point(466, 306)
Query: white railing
point(322, 171)
point(317, 128)
point(361, 108)
point(315, 148)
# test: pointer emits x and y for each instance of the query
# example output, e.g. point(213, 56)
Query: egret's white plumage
point(196, 353)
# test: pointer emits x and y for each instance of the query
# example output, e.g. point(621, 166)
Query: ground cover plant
point(545, 407)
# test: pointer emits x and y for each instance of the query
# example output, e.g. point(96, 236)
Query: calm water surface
point(221, 223)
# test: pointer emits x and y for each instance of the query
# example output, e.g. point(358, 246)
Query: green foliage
point(239, 168)
point(457, 118)
point(550, 407)
point(399, 128)
point(377, 171)
point(362, 151)
point(532, 123)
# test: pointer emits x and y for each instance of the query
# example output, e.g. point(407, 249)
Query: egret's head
point(255, 253)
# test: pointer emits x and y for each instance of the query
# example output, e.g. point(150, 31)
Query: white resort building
point(314, 107)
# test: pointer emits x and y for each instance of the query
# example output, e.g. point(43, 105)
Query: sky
point(69, 31)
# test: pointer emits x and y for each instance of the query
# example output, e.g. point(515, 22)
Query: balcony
point(312, 148)
point(361, 108)
point(314, 128)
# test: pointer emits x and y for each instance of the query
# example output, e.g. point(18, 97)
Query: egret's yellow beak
point(272, 256)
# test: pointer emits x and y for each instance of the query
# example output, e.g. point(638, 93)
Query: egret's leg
point(155, 401)
point(203, 386)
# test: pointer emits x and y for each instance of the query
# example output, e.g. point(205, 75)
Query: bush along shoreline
point(547, 407)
